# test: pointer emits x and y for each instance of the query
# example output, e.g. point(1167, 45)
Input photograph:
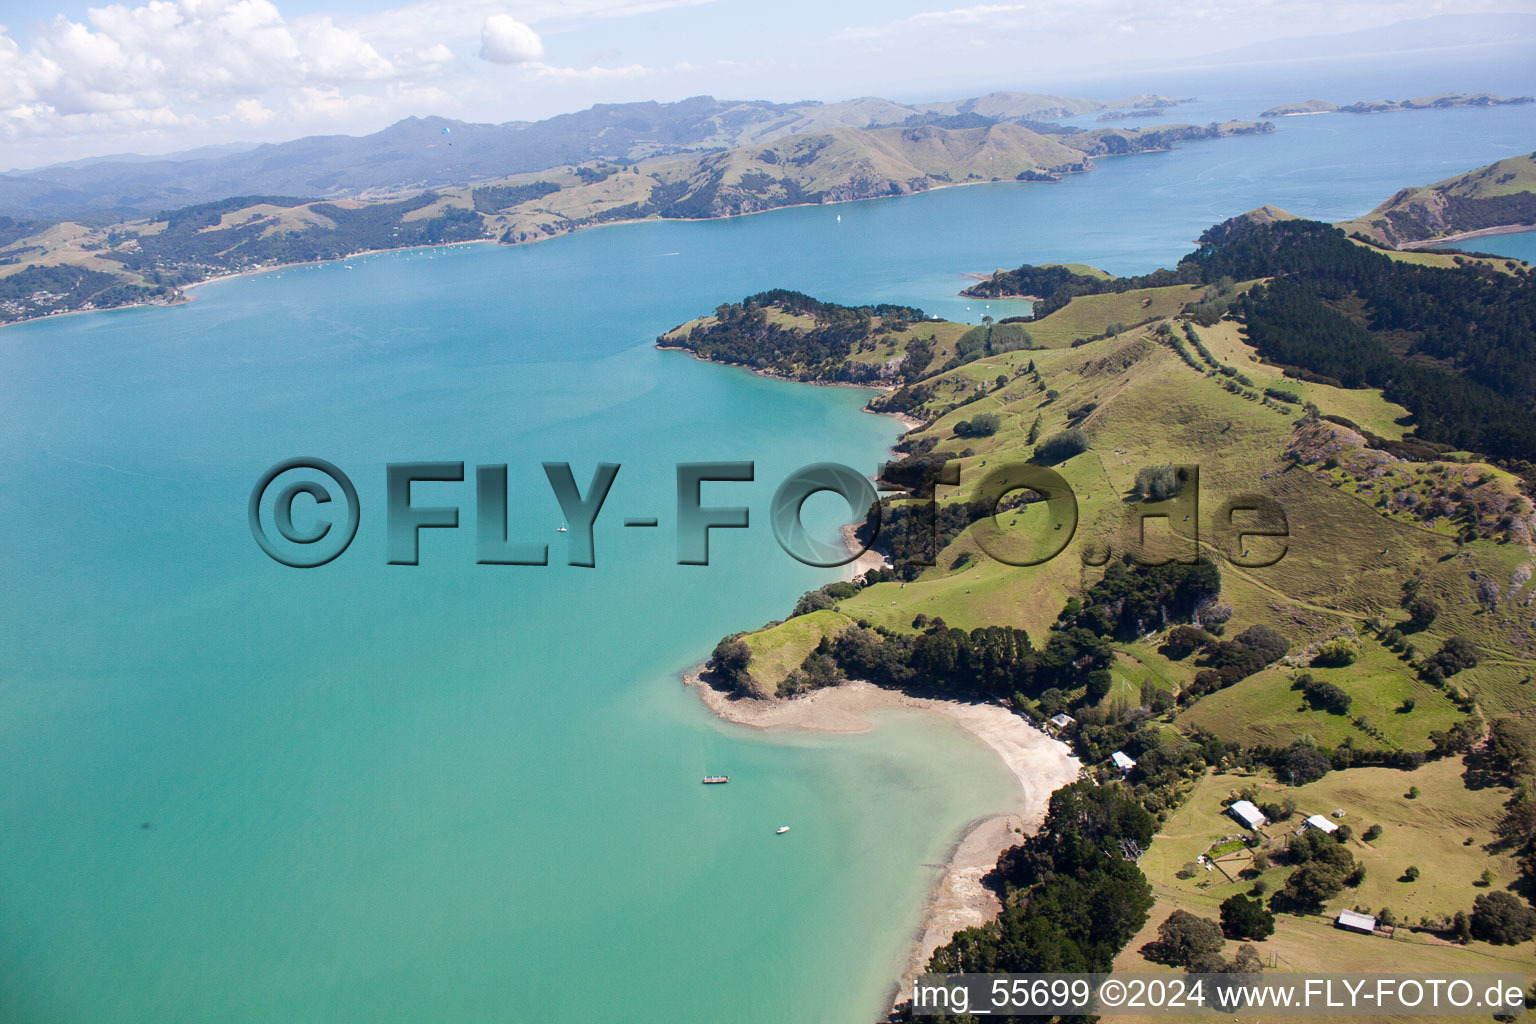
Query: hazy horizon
point(89, 83)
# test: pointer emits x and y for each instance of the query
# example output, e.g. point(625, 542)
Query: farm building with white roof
point(1245, 812)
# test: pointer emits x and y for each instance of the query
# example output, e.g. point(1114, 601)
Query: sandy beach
point(1502, 229)
point(1039, 763)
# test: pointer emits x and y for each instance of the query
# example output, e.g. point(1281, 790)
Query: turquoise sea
point(238, 792)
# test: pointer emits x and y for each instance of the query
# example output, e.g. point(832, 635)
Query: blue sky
point(80, 79)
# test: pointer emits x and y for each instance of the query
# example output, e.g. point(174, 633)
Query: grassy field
point(1089, 315)
point(781, 649)
point(1265, 709)
point(1429, 832)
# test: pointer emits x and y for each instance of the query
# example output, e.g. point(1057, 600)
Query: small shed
point(1362, 923)
point(1322, 824)
point(1249, 815)
point(1122, 760)
point(1061, 721)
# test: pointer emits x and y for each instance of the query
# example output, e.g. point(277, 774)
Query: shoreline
point(909, 422)
point(491, 240)
point(1434, 243)
point(958, 898)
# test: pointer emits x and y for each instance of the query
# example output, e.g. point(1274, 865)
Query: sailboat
point(562, 529)
point(781, 830)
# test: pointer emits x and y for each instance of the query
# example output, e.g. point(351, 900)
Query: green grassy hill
point(1501, 194)
point(1397, 612)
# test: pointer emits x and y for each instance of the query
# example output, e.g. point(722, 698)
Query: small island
point(1440, 102)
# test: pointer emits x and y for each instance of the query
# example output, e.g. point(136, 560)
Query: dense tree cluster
point(1322, 694)
point(494, 198)
point(1243, 917)
point(1131, 601)
point(1502, 919)
point(747, 334)
point(1061, 446)
point(1324, 867)
point(981, 425)
point(1074, 899)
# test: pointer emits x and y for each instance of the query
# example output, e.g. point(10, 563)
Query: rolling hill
point(93, 262)
point(435, 152)
point(1500, 195)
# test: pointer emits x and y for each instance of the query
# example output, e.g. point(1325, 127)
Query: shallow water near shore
point(239, 792)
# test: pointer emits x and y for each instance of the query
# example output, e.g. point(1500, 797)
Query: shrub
point(1372, 834)
point(982, 425)
point(1412, 874)
point(1061, 447)
point(1322, 694)
point(1268, 644)
point(1182, 640)
point(1157, 483)
point(1336, 653)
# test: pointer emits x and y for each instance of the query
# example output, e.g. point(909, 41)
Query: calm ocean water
point(455, 792)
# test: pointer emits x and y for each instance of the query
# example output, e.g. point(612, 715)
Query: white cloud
point(252, 111)
point(505, 40)
point(590, 74)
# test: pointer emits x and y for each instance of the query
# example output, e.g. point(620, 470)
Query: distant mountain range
point(433, 152)
point(694, 160)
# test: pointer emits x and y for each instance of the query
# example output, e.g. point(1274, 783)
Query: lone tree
point(1422, 610)
point(1157, 483)
point(1061, 447)
point(1310, 886)
point(1184, 938)
point(1501, 919)
point(1244, 918)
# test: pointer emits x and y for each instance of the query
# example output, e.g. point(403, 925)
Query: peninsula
point(1187, 667)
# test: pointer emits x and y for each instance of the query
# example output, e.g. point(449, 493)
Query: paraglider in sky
point(448, 131)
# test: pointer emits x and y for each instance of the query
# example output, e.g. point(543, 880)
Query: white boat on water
point(562, 529)
point(781, 830)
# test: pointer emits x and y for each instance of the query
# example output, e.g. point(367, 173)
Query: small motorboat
point(781, 830)
point(562, 529)
point(716, 780)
